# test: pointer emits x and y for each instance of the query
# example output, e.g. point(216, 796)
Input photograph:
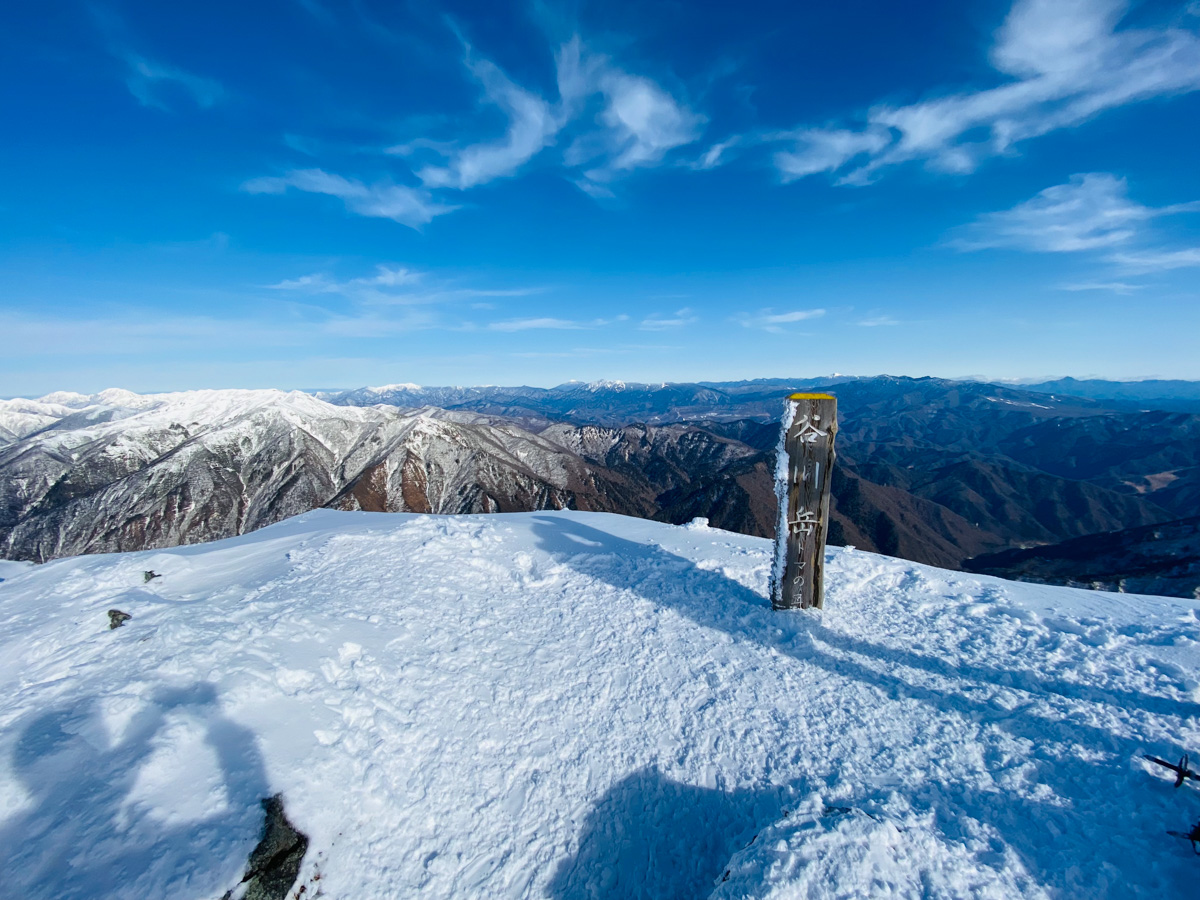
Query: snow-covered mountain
point(611, 403)
point(930, 470)
point(570, 705)
point(119, 471)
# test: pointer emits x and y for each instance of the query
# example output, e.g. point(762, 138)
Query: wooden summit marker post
point(803, 470)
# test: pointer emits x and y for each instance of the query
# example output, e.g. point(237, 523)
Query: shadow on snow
point(649, 836)
point(80, 783)
point(630, 846)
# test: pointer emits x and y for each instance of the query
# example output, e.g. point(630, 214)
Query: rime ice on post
point(803, 466)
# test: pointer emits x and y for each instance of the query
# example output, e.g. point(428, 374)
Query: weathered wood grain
point(800, 543)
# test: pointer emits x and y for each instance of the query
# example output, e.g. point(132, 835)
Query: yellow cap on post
point(812, 397)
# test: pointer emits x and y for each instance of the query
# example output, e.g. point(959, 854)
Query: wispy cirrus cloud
point(1146, 261)
point(1090, 213)
point(825, 150)
point(385, 200)
point(878, 321)
point(680, 319)
point(129, 331)
point(635, 124)
point(716, 155)
point(323, 283)
point(641, 122)
point(532, 125)
point(550, 323)
point(152, 83)
point(393, 285)
point(1115, 287)
point(1065, 61)
point(771, 321)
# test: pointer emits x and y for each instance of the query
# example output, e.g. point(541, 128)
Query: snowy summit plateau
point(575, 705)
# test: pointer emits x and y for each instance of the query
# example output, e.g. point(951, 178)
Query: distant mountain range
point(598, 402)
point(1152, 393)
point(936, 471)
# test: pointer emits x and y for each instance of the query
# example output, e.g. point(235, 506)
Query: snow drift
point(574, 705)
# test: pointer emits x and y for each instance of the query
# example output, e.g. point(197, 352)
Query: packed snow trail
point(574, 705)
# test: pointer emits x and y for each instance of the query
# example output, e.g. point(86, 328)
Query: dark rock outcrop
point(274, 864)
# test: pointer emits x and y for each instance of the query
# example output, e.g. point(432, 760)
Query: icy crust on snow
point(571, 705)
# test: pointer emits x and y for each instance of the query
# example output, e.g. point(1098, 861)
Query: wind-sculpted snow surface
point(574, 705)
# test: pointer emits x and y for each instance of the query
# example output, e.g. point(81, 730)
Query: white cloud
point(408, 206)
point(715, 155)
point(1088, 212)
point(390, 276)
point(1157, 260)
point(392, 285)
point(594, 190)
point(532, 126)
point(824, 150)
point(375, 325)
point(320, 283)
point(1066, 61)
point(388, 302)
point(645, 121)
point(878, 321)
point(769, 320)
point(656, 322)
point(146, 80)
point(1116, 287)
point(143, 332)
point(549, 323)
point(642, 122)
point(499, 292)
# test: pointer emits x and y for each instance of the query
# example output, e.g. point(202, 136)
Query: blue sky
point(305, 193)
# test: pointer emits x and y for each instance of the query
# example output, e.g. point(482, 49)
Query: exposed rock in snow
point(275, 862)
point(571, 705)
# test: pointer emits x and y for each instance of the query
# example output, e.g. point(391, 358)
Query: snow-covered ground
point(572, 705)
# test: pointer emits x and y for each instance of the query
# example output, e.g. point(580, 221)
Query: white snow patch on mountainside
point(574, 705)
point(389, 388)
